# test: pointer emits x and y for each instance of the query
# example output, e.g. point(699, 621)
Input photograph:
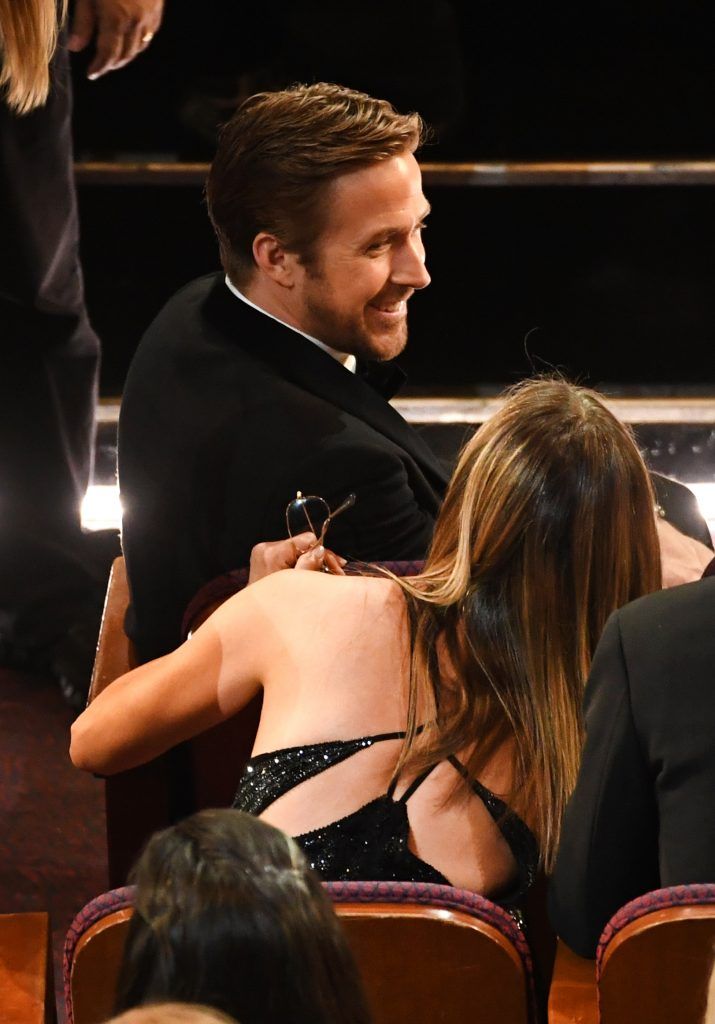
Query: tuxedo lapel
point(300, 361)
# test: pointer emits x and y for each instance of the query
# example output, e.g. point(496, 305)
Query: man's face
point(367, 262)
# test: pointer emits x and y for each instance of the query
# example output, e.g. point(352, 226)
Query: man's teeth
point(395, 307)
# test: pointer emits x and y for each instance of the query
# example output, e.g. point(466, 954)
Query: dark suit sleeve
point(393, 516)
point(609, 843)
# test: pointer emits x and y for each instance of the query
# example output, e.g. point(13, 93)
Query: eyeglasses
point(309, 512)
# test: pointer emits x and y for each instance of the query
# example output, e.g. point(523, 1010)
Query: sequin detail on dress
point(372, 842)
point(268, 776)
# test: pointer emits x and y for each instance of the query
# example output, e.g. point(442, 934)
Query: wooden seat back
point(26, 988)
point(429, 952)
point(653, 963)
point(657, 968)
point(451, 957)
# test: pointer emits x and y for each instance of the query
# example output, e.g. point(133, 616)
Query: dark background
point(609, 283)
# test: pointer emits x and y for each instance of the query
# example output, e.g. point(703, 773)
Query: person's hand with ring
point(123, 28)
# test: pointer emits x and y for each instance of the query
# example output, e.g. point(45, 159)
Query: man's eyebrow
point(389, 233)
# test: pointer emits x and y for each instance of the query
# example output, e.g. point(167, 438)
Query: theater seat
point(653, 963)
point(92, 955)
point(429, 953)
point(26, 989)
point(426, 953)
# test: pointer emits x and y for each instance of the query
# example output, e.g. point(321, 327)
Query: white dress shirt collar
point(347, 360)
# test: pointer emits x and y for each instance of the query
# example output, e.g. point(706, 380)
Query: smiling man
point(274, 376)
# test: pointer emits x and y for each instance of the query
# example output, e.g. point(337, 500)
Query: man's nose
point(408, 267)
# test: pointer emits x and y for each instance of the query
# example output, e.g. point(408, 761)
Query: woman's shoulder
point(295, 596)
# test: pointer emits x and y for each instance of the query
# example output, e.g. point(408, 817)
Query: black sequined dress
point(370, 843)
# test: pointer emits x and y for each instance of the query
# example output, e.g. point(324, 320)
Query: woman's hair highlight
point(28, 38)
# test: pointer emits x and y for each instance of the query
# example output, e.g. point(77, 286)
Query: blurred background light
point(101, 509)
point(705, 493)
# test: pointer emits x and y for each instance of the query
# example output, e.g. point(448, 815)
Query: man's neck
point(262, 297)
point(254, 297)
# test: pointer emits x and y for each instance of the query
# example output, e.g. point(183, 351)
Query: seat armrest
point(573, 996)
point(115, 651)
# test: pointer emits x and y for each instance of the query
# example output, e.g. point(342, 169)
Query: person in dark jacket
point(52, 575)
point(275, 379)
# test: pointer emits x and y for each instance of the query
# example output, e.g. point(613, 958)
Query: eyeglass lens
point(307, 513)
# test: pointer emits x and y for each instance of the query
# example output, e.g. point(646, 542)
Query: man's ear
point(274, 259)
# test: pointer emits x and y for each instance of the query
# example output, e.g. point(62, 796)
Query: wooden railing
point(442, 409)
point(488, 174)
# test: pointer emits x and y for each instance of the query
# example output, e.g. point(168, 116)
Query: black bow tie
point(386, 378)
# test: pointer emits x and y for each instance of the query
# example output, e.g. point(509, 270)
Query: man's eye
point(376, 246)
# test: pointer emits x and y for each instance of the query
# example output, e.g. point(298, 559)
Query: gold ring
point(147, 37)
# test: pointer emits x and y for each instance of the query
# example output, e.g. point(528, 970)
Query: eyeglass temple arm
point(343, 507)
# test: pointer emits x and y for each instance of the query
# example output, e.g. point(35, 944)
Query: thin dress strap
point(414, 785)
point(517, 833)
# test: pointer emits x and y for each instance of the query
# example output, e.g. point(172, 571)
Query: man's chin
point(383, 346)
point(361, 339)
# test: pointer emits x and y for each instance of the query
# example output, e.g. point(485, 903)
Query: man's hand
point(300, 552)
point(123, 29)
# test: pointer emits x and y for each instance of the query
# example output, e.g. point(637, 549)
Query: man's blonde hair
point(28, 37)
point(279, 152)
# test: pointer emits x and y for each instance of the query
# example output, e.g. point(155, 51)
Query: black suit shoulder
point(677, 614)
point(668, 648)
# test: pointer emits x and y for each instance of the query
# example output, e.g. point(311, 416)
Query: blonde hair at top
point(548, 526)
point(28, 37)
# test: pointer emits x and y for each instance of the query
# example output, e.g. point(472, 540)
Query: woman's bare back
point(339, 670)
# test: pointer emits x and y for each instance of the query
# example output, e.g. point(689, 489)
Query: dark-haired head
point(548, 526)
point(229, 914)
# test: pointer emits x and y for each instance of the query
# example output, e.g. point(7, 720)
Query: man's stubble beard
point(354, 339)
point(351, 335)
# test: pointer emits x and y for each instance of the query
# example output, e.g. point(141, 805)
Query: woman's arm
point(205, 681)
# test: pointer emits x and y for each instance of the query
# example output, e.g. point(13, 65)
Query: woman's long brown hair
point(28, 37)
point(548, 526)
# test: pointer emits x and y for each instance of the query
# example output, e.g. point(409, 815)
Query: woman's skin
point(683, 559)
point(331, 653)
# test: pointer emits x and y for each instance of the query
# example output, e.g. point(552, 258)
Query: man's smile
point(394, 309)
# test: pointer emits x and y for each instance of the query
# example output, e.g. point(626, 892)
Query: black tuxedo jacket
point(226, 413)
point(642, 815)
